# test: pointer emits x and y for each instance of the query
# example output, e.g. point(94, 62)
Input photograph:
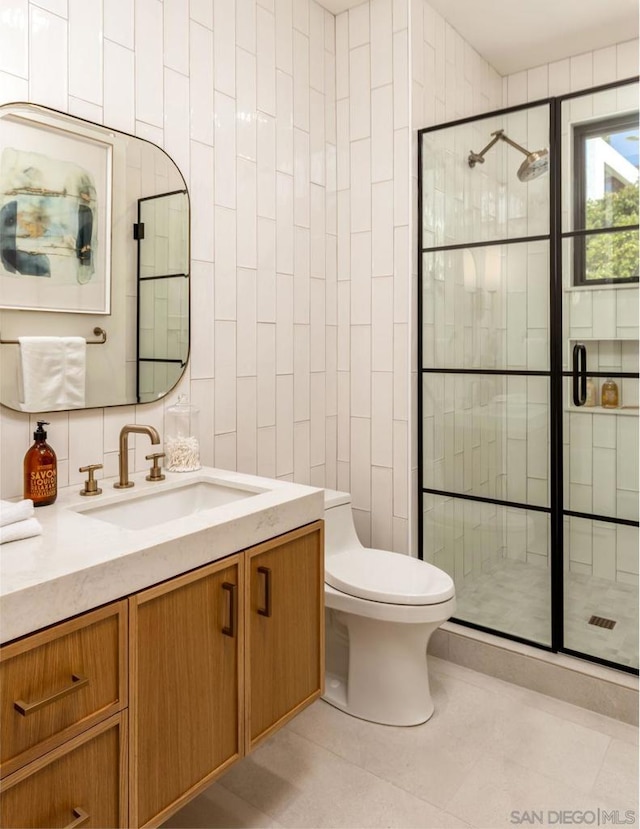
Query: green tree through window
point(612, 255)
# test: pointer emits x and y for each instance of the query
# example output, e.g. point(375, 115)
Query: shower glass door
point(599, 198)
point(485, 273)
point(528, 364)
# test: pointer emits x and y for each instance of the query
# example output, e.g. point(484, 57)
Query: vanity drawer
point(82, 783)
point(61, 681)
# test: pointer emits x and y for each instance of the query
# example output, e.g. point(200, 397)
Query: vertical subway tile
point(202, 299)
point(284, 424)
point(202, 12)
point(360, 93)
point(224, 40)
point(358, 25)
point(85, 50)
point(149, 61)
point(342, 56)
point(284, 123)
point(266, 170)
point(284, 223)
point(266, 62)
point(225, 150)
point(284, 35)
point(201, 82)
point(176, 116)
point(247, 439)
point(225, 377)
point(14, 38)
point(300, 80)
point(47, 59)
point(226, 263)
point(246, 355)
point(246, 214)
point(201, 187)
point(266, 273)
point(246, 25)
point(381, 43)
point(118, 19)
point(246, 104)
point(119, 86)
point(176, 35)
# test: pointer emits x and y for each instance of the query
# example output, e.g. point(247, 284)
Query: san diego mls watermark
point(573, 817)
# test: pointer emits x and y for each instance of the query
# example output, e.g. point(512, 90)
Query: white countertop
point(80, 562)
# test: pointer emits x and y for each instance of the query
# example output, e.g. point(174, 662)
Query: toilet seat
point(391, 578)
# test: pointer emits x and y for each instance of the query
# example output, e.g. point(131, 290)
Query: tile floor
point(514, 597)
point(489, 749)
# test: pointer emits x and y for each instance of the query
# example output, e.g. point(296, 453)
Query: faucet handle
point(90, 485)
point(155, 473)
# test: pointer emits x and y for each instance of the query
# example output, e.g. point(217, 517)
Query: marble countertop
point(81, 562)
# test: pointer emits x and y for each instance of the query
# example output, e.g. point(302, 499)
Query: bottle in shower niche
point(592, 393)
point(41, 470)
point(182, 445)
point(610, 396)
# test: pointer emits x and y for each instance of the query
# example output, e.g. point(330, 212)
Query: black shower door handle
point(579, 374)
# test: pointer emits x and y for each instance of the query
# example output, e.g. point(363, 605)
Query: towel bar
point(98, 332)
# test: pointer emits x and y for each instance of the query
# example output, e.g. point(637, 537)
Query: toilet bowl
point(381, 609)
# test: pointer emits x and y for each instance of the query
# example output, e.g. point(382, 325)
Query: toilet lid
point(383, 576)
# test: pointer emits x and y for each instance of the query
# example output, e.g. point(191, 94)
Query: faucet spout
point(123, 460)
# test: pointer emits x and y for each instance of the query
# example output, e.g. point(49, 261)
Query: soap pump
point(41, 470)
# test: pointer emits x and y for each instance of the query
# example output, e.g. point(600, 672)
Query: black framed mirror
point(94, 248)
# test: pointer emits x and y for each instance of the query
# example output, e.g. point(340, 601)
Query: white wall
point(241, 95)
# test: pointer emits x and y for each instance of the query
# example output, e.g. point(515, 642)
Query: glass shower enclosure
point(528, 364)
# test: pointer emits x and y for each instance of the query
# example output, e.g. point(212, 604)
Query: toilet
point(381, 609)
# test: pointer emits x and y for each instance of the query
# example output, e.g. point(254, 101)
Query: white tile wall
point(296, 131)
point(221, 84)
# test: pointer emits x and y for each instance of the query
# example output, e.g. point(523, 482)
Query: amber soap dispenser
point(41, 470)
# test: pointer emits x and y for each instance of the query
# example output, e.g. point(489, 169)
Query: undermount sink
point(140, 512)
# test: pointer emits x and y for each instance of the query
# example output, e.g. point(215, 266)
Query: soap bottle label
point(43, 482)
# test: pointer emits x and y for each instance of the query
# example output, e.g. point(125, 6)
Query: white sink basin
point(154, 508)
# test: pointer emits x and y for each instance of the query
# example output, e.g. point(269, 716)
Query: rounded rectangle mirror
point(94, 264)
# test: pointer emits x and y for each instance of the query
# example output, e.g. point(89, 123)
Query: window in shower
point(606, 197)
point(529, 498)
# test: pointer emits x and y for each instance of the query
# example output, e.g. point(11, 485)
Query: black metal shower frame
point(556, 374)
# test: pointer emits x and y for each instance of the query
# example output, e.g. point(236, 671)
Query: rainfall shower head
point(534, 165)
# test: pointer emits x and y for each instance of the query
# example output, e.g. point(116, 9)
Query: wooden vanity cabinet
point(215, 660)
point(285, 629)
point(186, 683)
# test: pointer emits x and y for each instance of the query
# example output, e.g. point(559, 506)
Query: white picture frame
point(55, 218)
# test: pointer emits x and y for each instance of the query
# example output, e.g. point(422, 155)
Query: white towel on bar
point(52, 373)
point(21, 529)
point(12, 511)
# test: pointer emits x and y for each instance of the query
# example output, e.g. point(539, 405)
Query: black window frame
point(581, 132)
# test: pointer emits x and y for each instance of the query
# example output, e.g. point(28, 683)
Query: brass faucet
point(123, 460)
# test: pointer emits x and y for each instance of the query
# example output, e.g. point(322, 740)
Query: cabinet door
point(285, 628)
point(82, 783)
point(186, 637)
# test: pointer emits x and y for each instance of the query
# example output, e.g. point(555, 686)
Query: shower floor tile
point(514, 597)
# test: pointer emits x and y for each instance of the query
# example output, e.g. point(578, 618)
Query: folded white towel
point(51, 373)
point(21, 529)
point(10, 511)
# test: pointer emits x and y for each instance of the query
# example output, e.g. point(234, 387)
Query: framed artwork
point(55, 218)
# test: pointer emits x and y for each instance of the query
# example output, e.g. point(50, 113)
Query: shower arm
point(478, 158)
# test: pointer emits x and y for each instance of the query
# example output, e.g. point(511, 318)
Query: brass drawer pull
point(230, 629)
point(81, 817)
point(26, 708)
point(266, 610)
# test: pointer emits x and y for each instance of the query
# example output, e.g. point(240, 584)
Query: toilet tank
point(339, 529)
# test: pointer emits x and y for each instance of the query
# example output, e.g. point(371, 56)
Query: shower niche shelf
point(611, 355)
